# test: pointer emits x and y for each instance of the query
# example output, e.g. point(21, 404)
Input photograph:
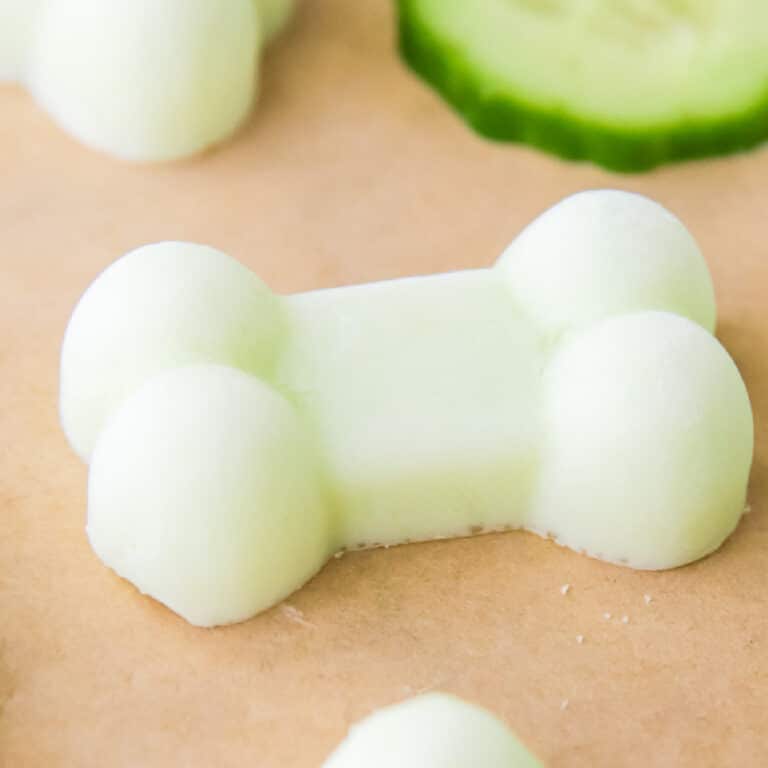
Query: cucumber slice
point(628, 84)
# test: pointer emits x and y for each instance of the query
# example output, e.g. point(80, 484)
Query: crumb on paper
point(564, 704)
point(579, 639)
point(565, 589)
point(625, 619)
point(647, 599)
point(295, 615)
point(607, 616)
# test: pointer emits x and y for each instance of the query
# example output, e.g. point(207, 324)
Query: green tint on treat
point(628, 84)
point(143, 80)
point(204, 492)
point(596, 254)
point(146, 80)
point(160, 306)
point(241, 438)
point(434, 730)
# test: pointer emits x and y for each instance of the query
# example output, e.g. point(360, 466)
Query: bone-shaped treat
point(434, 730)
point(237, 439)
point(143, 80)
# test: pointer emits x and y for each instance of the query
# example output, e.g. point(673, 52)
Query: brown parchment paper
point(351, 171)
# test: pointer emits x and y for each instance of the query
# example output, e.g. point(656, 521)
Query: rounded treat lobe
point(647, 442)
point(203, 492)
point(605, 252)
point(147, 80)
point(431, 731)
point(159, 307)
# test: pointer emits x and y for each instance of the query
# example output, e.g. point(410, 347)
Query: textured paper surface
point(352, 171)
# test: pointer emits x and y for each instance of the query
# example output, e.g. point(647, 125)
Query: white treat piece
point(647, 442)
point(431, 731)
point(146, 80)
point(203, 491)
point(435, 405)
point(605, 252)
point(18, 20)
point(158, 307)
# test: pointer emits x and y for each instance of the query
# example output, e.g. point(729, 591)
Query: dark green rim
point(502, 117)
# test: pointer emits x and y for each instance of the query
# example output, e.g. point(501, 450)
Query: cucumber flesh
point(628, 84)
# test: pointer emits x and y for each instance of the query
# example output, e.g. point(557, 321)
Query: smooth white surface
point(158, 307)
point(203, 491)
point(436, 406)
point(424, 394)
point(597, 253)
point(647, 442)
point(146, 80)
point(431, 731)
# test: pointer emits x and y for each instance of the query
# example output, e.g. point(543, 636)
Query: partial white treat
point(18, 20)
point(204, 492)
point(274, 16)
point(647, 442)
point(647, 599)
point(146, 80)
point(605, 252)
point(159, 307)
point(431, 731)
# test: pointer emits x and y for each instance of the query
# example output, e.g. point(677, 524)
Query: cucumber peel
point(629, 85)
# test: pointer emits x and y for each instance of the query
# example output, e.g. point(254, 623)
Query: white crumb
point(339, 554)
point(747, 509)
point(647, 599)
point(565, 589)
point(295, 615)
point(579, 639)
point(607, 616)
point(564, 704)
point(625, 619)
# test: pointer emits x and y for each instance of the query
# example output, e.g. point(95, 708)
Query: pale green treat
point(625, 83)
point(160, 306)
point(146, 79)
point(18, 19)
point(434, 730)
point(143, 80)
point(596, 254)
point(204, 492)
point(647, 442)
point(542, 394)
